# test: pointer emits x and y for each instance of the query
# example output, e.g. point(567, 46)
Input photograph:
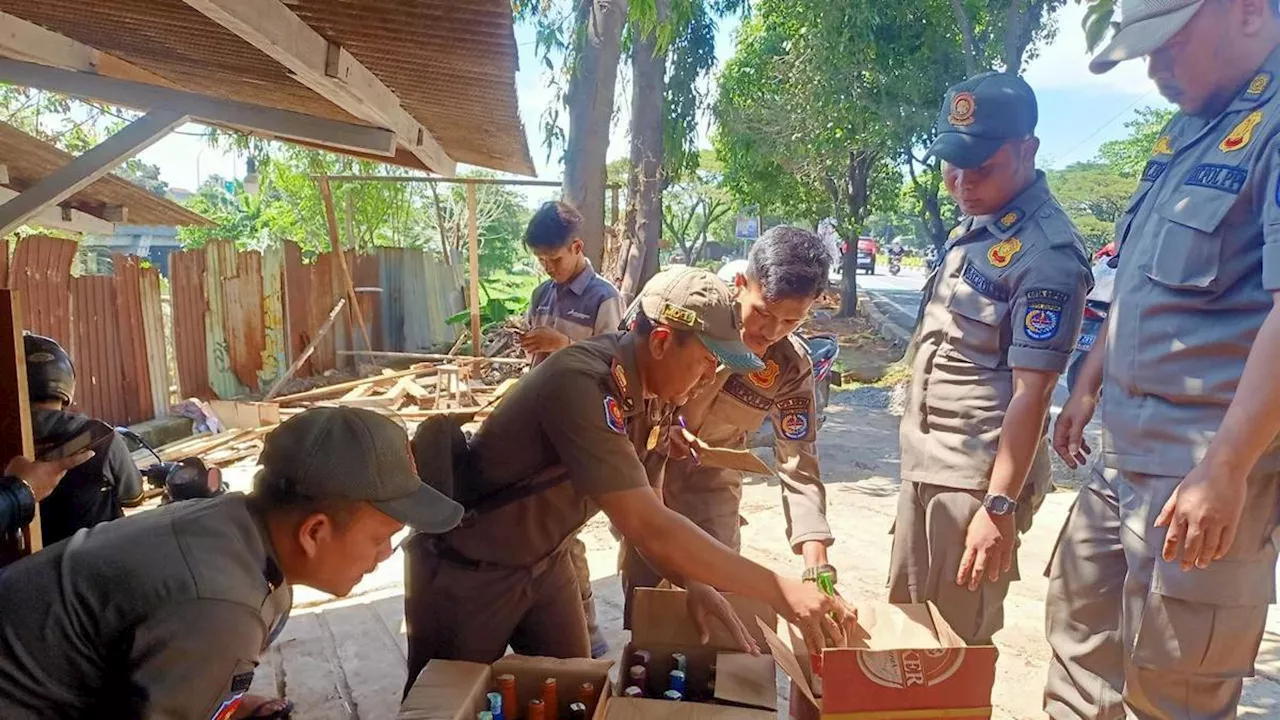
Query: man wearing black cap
point(1158, 591)
point(999, 323)
point(166, 613)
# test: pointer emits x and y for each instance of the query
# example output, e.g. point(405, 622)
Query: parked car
point(867, 250)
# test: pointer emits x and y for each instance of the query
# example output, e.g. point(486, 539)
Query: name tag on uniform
point(974, 278)
point(1153, 170)
point(1227, 178)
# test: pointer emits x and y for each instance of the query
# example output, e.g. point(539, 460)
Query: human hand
point(988, 549)
point(543, 340)
point(824, 620)
point(1068, 431)
point(43, 477)
point(1202, 515)
point(705, 602)
point(677, 443)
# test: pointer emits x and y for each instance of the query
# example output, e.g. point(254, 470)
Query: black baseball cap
point(981, 114)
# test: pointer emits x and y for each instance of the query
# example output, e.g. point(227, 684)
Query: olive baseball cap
point(981, 114)
point(694, 299)
point(1145, 25)
point(344, 453)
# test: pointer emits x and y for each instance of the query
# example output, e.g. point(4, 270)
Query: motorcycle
point(895, 265)
point(186, 479)
point(823, 350)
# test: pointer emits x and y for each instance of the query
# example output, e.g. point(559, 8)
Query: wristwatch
point(811, 573)
point(999, 505)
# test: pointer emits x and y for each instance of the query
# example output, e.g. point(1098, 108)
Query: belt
point(439, 546)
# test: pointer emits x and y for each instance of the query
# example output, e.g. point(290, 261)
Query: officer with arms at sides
point(786, 272)
point(999, 321)
point(165, 614)
point(574, 304)
point(1158, 590)
point(90, 493)
point(565, 442)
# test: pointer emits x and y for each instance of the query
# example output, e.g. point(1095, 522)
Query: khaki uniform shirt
point(735, 406)
point(586, 306)
point(584, 409)
point(161, 615)
point(1199, 260)
point(1009, 294)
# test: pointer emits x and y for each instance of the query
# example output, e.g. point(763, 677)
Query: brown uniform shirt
point(735, 406)
point(1009, 294)
point(161, 615)
point(582, 408)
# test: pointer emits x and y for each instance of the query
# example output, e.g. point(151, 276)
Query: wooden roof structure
point(28, 159)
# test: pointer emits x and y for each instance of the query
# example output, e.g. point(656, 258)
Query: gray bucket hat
point(1145, 25)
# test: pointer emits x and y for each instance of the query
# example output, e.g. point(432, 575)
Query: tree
point(1128, 156)
point(1094, 196)
point(693, 208)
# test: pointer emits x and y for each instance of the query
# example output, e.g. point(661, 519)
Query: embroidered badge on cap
point(1227, 178)
point(1001, 254)
point(766, 376)
point(1258, 84)
point(678, 315)
point(613, 415)
point(239, 686)
point(1163, 146)
point(1242, 133)
point(1044, 313)
point(1153, 170)
point(794, 425)
point(1009, 219)
point(962, 108)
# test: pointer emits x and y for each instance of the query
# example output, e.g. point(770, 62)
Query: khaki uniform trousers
point(457, 609)
point(1135, 636)
point(929, 544)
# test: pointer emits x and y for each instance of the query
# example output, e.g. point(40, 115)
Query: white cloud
point(1065, 65)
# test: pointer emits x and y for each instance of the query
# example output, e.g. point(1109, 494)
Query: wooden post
point(613, 205)
point(473, 247)
point(335, 245)
point(16, 437)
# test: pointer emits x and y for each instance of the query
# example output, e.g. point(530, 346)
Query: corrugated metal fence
point(238, 318)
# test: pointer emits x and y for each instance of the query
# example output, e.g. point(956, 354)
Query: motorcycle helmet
point(50, 373)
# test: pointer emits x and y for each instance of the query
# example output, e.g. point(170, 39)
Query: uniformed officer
point(786, 272)
point(565, 442)
point(1159, 588)
point(574, 304)
point(999, 322)
point(165, 614)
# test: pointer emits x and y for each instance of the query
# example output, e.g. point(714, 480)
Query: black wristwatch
point(811, 573)
point(999, 505)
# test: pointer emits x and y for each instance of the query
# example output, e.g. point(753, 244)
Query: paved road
point(897, 296)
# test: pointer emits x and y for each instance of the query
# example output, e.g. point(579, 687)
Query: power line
point(1104, 126)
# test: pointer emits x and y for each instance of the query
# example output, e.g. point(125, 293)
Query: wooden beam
point(325, 67)
point(16, 437)
point(23, 40)
point(63, 218)
point(93, 164)
point(335, 245)
point(281, 123)
point(311, 348)
point(473, 247)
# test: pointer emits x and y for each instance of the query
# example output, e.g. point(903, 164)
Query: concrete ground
point(345, 659)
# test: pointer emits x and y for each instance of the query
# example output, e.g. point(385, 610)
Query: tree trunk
point(648, 87)
point(590, 101)
point(967, 41)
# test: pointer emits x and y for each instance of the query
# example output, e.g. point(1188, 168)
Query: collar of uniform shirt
point(1260, 87)
point(579, 283)
point(1026, 204)
point(635, 390)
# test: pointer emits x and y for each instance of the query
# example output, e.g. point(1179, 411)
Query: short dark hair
point(789, 262)
point(553, 226)
point(278, 495)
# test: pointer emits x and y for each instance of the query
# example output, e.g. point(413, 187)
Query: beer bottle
point(672, 695)
point(677, 681)
point(681, 662)
point(578, 711)
point(587, 696)
point(550, 698)
point(537, 711)
point(496, 706)
point(507, 687)
point(633, 691)
point(484, 715)
point(642, 657)
point(640, 678)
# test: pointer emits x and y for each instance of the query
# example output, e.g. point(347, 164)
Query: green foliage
point(1128, 156)
point(1098, 22)
point(1094, 196)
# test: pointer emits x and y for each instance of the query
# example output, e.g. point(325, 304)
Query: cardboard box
point(907, 664)
point(453, 690)
point(746, 686)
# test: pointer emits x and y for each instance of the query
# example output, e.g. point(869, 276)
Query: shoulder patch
point(1242, 133)
point(739, 390)
point(799, 402)
point(239, 687)
point(1044, 313)
point(1227, 178)
point(794, 424)
point(613, 415)
point(1163, 146)
point(766, 376)
point(1009, 219)
point(1153, 170)
point(1258, 84)
point(974, 278)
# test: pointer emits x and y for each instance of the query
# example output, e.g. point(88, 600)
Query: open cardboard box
point(660, 623)
point(454, 690)
point(906, 664)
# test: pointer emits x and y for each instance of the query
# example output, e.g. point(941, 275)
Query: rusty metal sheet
point(365, 273)
point(242, 317)
point(99, 378)
point(41, 272)
point(157, 350)
point(132, 341)
point(297, 297)
point(220, 259)
point(190, 309)
point(323, 294)
point(275, 359)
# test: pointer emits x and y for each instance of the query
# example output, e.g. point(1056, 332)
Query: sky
point(1078, 110)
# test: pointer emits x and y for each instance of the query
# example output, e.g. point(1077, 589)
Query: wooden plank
point(473, 285)
point(363, 391)
point(15, 411)
point(325, 392)
point(311, 348)
point(438, 357)
point(245, 415)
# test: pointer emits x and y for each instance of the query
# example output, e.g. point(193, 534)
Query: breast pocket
point(1188, 245)
point(976, 323)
